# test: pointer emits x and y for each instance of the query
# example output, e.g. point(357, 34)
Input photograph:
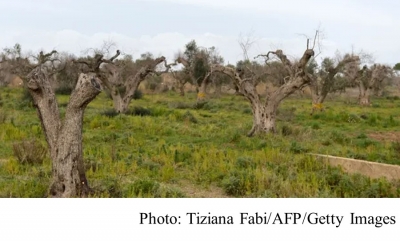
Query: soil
point(194, 191)
point(393, 136)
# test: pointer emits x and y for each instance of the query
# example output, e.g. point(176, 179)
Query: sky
point(163, 27)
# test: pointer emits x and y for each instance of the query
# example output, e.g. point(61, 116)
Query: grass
point(167, 146)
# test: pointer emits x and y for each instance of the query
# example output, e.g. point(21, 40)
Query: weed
point(29, 152)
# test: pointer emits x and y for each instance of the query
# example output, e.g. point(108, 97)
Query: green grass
point(169, 147)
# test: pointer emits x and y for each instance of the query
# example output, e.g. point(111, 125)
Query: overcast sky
point(164, 26)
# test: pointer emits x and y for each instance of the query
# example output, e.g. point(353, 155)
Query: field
point(169, 147)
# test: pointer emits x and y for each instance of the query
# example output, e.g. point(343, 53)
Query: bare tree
point(122, 77)
point(324, 81)
point(264, 112)
point(181, 79)
point(64, 138)
point(368, 79)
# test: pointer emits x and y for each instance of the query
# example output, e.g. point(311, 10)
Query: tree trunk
point(113, 81)
point(218, 90)
point(264, 118)
point(181, 87)
point(317, 102)
point(64, 140)
point(120, 105)
point(316, 97)
point(117, 101)
point(201, 96)
point(364, 95)
point(182, 90)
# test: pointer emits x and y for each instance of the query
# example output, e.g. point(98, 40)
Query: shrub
point(188, 116)
point(239, 182)
point(137, 95)
point(296, 148)
point(200, 104)
point(180, 105)
point(315, 126)
point(26, 100)
point(245, 162)
point(287, 130)
point(140, 111)
point(29, 152)
point(110, 113)
point(64, 88)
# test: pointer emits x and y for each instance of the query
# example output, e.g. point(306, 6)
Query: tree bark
point(64, 139)
point(113, 81)
point(264, 119)
point(202, 94)
point(363, 98)
point(264, 114)
point(181, 88)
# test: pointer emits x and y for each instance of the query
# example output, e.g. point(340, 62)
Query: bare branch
point(245, 43)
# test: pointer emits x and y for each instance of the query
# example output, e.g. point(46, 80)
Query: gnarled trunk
point(119, 105)
point(317, 102)
point(364, 95)
point(64, 139)
point(218, 89)
point(264, 118)
point(201, 95)
point(182, 90)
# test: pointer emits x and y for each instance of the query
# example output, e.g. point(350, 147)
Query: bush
point(26, 100)
point(64, 88)
point(296, 148)
point(287, 130)
point(140, 111)
point(239, 182)
point(29, 152)
point(180, 105)
point(188, 116)
point(138, 94)
point(110, 113)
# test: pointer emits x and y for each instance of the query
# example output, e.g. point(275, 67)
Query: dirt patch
point(385, 136)
point(194, 191)
point(370, 169)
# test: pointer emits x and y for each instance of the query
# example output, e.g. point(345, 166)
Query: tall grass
point(168, 147)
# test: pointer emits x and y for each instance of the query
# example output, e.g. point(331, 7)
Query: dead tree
point(368, 79)
point(123, 77)
point(323, 82)
point(181, 78)
point(264, 112)
point(64, 138)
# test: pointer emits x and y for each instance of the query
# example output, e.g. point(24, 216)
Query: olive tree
point(64, 137)
point(368, 79)
point(245, 80)
point(122, 77)
point(197, 63)
point(326, 79)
